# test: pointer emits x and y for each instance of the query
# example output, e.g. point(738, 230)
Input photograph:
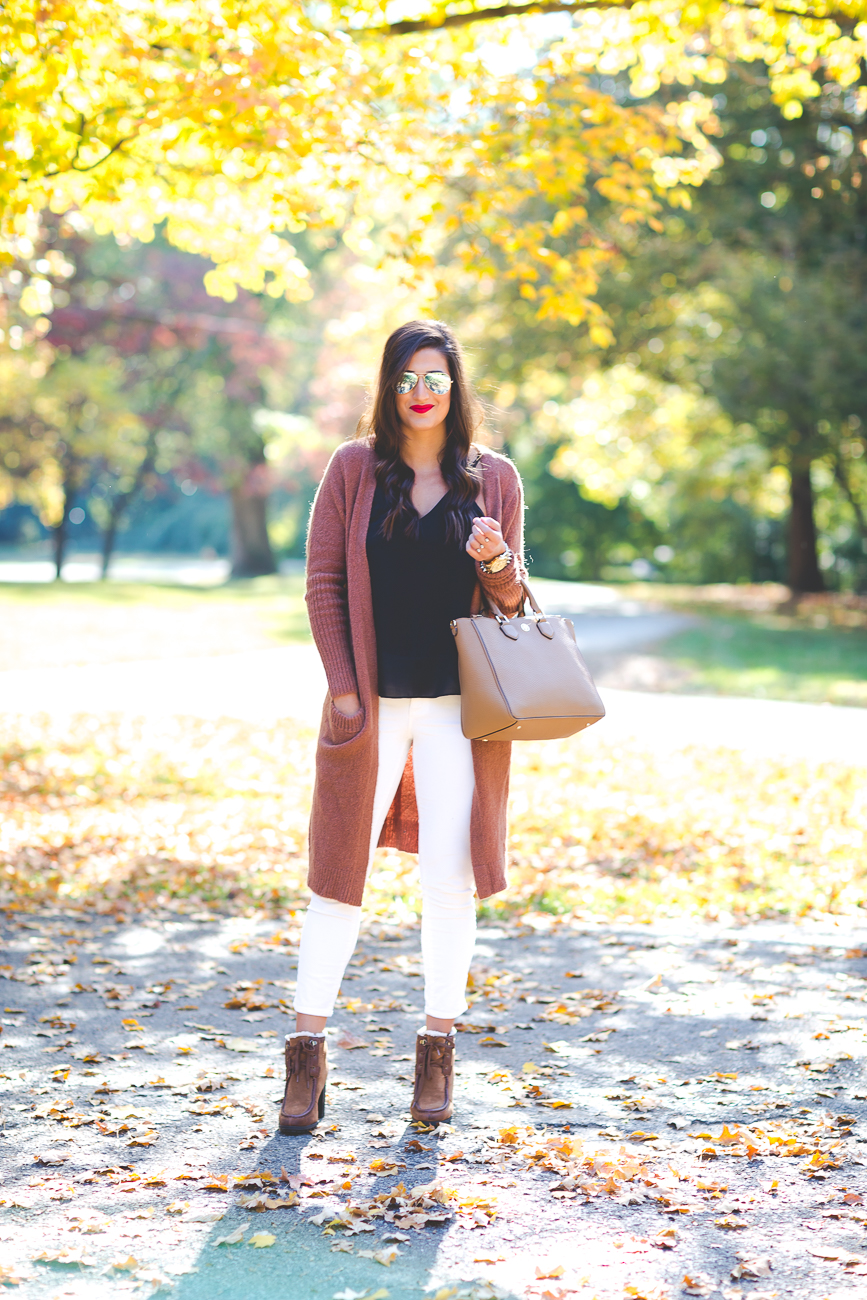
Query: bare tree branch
point(849, 493)
point(437, 21)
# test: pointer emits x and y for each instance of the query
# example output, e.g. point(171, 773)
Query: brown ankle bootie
point(434, 1078)
point(306, 1073)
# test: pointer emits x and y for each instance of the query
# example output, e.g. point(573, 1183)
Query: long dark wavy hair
point(383, 425)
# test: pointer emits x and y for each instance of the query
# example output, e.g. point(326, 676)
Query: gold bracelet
point(497, 564)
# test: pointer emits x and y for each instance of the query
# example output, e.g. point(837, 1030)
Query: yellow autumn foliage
point(239, 122)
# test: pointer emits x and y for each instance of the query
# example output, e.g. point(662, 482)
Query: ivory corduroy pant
point(443, 769)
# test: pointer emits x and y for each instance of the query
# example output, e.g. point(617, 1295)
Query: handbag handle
point(538, 616)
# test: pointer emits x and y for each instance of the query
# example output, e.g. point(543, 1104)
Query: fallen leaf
point(259, 1201)
point(700, 1285)
point(553, 1272)
point(322, 1217)
point(147, 1139)
point(262, 1239)
point(385, 1165)
point(241, 1045)
point(751, 1268)
point(128, 1265)
point(66, 1255)
point(385, 1257)
point(350, 1041)
point(234, 1238)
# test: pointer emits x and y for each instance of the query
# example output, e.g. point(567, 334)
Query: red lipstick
point(420, 410)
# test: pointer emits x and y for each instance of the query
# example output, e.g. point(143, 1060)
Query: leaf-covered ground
point(641, 1111)
point(180, 814)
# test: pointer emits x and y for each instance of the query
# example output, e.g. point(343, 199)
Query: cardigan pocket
point(343, 729)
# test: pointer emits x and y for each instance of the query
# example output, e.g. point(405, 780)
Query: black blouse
point(419, 584)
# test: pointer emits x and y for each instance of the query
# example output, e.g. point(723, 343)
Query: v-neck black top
point(419, 584)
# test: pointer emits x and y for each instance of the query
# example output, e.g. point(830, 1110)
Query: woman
point(412, 523)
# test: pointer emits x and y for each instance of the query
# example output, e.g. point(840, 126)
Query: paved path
point(636, 1105)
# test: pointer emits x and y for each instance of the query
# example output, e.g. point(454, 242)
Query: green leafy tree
point(756, 295)
point(734, 388)
point(59, 419)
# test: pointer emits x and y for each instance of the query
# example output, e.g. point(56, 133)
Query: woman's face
point(421, 409)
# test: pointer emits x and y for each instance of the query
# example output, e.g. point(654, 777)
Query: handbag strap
point(538, 616)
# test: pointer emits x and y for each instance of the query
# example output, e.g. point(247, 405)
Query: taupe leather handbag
point(523, 678)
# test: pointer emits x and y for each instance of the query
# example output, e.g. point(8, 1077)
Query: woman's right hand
point(348, 705)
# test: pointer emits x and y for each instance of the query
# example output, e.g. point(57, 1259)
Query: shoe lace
point(437, 1052)
point(303, 1058)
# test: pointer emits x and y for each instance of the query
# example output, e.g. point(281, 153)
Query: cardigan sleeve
point(504, 587)
point(326, 594)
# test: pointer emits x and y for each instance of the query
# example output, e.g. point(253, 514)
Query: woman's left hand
point(486, 539)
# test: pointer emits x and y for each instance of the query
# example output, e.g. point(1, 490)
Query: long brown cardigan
point(341, 617)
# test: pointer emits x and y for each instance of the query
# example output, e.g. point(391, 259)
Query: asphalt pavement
point(676, 1108)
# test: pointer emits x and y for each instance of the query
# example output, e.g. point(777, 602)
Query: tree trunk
point(109, 537)
point(251, 550)
point(121, 503)
point(61, 532)
point(804, 571)
point(59, 546)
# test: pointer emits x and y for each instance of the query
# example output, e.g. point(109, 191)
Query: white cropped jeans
point(444, 783)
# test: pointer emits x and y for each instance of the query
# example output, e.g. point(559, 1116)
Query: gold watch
point(497, 564)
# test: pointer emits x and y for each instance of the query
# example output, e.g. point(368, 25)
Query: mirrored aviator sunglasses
point(437, 381)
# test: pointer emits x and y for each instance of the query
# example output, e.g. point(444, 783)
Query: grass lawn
point(769, 657)
point(52, 624)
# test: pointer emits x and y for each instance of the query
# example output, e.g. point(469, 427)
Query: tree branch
point(846, 487)
point(433, 24)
